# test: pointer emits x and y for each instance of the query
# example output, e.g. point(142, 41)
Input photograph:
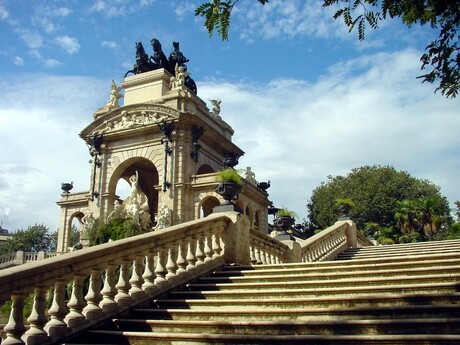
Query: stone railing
point(20, 257)
point(266, 250)
point(330, 242)
point(89, 286)
point(117, 276)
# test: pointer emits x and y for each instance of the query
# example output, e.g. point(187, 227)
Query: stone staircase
point(400, 294)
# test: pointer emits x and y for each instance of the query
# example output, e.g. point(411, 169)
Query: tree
point(382, 196)
point(442, 56)
point(36, 238)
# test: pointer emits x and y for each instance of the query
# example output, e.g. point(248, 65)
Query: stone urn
point(344, 211)
point(283, 223)
point(229, 191)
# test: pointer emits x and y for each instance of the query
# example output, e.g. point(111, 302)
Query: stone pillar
point(236, 239)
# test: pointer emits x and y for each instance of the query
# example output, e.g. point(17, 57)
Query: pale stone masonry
point(152, 134)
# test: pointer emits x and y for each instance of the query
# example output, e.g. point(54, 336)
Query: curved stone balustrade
point(21, 257)
point(330, 242)
point(266, 250)
point(117, 276)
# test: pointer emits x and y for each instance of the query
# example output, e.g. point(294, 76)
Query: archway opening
point(147, 182)
point(207, 205)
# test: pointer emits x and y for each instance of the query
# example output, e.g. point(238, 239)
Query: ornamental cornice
point(130, 117)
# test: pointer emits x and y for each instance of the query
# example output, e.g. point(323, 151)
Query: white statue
point(163, 218)
point(250, 176)
point(216, 107)
point(114, 96)
point(178, 81)
point(87, 223)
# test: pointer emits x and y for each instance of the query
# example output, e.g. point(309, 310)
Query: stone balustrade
point(21, 257)
point(96, 283)
point(106, 279)
point(266, 250)
point(332, 241)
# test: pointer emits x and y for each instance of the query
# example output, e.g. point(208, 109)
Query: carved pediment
point(130, 117)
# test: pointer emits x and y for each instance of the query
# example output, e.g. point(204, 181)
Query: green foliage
point(114, 230)
point(217, 15)
point(378, 193)
point(454, 232)
point(285, 212)
point(345, 201)
point(36, 238)
point(229, 175)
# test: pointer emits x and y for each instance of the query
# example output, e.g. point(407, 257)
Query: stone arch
point(205, 169)
point(148, 179)
point(206, 205)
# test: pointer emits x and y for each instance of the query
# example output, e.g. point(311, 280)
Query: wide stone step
point(312, 283)
point(445, 259)
point(317, 302)
point(289, 291)
point(303, 314)
point(176, 338)
point(361, 254)
point(335, 327)
point(228, 277)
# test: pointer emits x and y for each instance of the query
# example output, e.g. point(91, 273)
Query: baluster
point(191, 252)
point(75, 318)
point(252, 254)
point(149, 274)
point(92, 311)
point(136, 280)
point(208, 247)
point(15, 328)
point(216, 247)
point(109, 291)
point(37, 319)
point(199, 250)
point(258, 255)
point(123, 298)
point(171, 265)
point(263, 254)
point(160, 270)
point(181, 257)
point(56, 327)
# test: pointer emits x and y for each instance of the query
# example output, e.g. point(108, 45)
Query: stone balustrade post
point(108, 303)
point(15, 328)
point(38, 318)
point(56, 327)
point(237, 240)
point(294, 252)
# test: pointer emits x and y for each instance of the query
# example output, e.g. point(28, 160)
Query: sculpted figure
point(164, 217)
point(176, 57)
point(216, 107)
point(114, 96)
point(250, 176)
point(87, 222)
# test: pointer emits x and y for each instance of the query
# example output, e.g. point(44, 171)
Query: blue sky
point(305, 97)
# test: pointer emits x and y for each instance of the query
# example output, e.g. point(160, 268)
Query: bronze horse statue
point(143, 63)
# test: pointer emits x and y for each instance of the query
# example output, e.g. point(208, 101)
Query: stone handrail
point(119, 275)
point(330, 242)
point(21, 257)
point(266, 250)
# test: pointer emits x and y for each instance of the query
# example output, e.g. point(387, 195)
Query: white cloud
point(280, 19)
point(62, 12)
point(110, 9)
point(69, 44)
point(43, 144)
point(18, 61)
point(295, 133)
point(109, 44)
point(4, 14)
point(32, 39)
point(52, 63)
point(185, 9)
